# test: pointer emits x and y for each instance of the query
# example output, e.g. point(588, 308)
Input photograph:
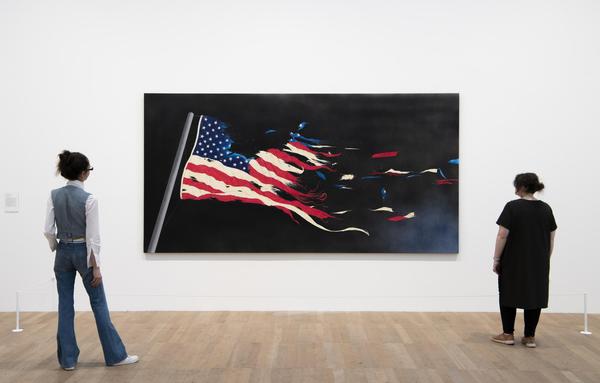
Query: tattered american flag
point(270, 178)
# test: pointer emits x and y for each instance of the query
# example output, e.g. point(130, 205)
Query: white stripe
point(278, 162)
point(341, 212)
point(313, 159)
point(195, 191)
point(383, 208)
point(347, 177)
point(267, 173)
point(394, 171)
point(322, 146)
point(244, 192)
point(429, 171)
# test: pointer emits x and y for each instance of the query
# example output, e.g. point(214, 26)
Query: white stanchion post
point(586, 330)
point(18, 313)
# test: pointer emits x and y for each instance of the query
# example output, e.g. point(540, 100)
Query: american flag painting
point(301, 173)
point(213, 171)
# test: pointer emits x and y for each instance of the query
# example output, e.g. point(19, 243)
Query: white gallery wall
point(73, 75)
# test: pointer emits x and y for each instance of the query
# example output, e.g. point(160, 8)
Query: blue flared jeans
point(71, 258)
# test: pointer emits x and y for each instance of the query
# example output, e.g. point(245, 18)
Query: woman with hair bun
point(72, 230)
point(524, 245)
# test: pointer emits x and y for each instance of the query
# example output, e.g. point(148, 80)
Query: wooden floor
point(291, 347)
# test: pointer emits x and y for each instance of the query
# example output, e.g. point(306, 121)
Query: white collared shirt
point(92, 226)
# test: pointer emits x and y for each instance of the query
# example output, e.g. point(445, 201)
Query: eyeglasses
point(90, 169)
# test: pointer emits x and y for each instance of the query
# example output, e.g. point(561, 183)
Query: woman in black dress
point(522, 258)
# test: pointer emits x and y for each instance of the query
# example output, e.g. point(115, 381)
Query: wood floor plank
point(305, 347)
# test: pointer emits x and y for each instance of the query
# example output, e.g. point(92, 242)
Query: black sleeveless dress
point(525, 262)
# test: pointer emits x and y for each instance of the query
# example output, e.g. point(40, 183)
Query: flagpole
point(169, 190)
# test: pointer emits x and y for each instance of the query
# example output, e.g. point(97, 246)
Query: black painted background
point(423, 128)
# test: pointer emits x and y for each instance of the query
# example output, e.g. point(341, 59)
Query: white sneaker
point(68, 368)
point(131, 359)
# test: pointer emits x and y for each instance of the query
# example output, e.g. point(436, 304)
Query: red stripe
point(384, 154)
point(200, 185)
point(281, 173)
point(446, 182)
point(220, 176)
point(232, 181)
point(397, 218)
point(288, 158)
point(271, 181)
point(303, 197)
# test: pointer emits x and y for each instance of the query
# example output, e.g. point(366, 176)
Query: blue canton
point(215, 143)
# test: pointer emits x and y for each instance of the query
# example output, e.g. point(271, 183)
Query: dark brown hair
point(72, 164)
point(528, 181)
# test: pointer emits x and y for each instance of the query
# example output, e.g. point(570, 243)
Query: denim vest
point(69, 211)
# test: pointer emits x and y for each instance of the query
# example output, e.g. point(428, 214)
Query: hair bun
point(64, 155)
point(540, 186)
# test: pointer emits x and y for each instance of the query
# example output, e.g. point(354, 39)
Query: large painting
point(318, 173)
